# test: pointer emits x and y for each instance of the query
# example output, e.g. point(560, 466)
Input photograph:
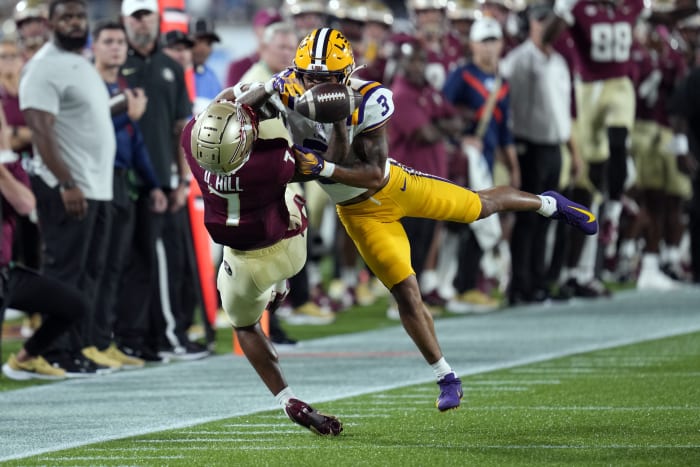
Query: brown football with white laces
point(328, 102)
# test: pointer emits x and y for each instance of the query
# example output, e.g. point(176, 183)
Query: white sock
point(429, 281)
point(441, 368)
point(673, 255)
point(628, 248)
point(650, 261)
point(549, 206)
point(283, 396)
point(348, 276)
point(613, 211)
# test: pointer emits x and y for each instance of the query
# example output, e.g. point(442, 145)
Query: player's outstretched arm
point(366, 170)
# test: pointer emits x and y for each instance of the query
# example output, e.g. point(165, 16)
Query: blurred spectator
point(605, 115)
point(109, 51)
point(375, 40)
point(445, 52)
point(262, 19)
point(422, 122)
point(178, 46)
point(27, 289)
point(685, 111)
point(27, 247)
point(477, 90)
point(11, 64)
point(462, 14)
point(349, 17)
point(155, 276)
point(31, 20)
point(206, 83)
point(540, 91)
point(662, 188)
point(74, 137)
point(504, 11)
point(306, 15)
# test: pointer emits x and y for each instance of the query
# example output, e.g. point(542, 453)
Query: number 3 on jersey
point(611, 42)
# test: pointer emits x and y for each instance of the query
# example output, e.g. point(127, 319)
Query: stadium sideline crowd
point(598, 99)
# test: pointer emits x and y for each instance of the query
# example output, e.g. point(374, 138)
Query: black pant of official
point(540, 168)
point(122, 211)
point(150, 303)
point(694, 230)
point(74, 254)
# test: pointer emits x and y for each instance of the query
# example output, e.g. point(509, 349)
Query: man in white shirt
point(66, 105)
point(540, 93)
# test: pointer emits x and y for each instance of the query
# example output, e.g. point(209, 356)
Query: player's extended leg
point(383, 244)
point(262, 356)
point(549, 204)
point(246, 281)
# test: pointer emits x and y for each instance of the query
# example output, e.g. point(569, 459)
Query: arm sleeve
point(48, 98)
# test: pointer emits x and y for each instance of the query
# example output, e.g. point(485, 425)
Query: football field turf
point(611, 382)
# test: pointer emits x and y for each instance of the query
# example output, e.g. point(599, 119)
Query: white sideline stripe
point(107, 458)
point(625, 319)
point(285, 430)
point(574, 408)
point(164, 293)
point(338, 446)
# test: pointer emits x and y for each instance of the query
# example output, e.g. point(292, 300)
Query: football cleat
point(573, 214)
point(303, 414)
point(450, 393)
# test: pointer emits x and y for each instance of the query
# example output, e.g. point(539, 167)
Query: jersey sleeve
point(38, 76)
point(564, 10)
point(376, 108)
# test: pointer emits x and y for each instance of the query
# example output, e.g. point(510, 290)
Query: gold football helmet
point(376, 12)
point(460, 10)
point(415, 5)
point(323, 53)
point(223, 136)
point(299, 7)
point(30, 9)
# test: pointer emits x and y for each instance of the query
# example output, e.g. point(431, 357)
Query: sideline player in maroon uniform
point(243, 176)
point(662, 187)
point(602, 36)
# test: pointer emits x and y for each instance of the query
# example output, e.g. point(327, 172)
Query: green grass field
point(632, 405)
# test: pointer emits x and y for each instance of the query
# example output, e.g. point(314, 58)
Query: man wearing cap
point(155, 272)
point(32, 26)
point(206, 83)
point(262, 19)
point(540, 93)
point(306, 15)
point(178, 46)
point(469, 88)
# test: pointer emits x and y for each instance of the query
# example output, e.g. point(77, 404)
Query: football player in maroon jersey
point(243, 169)
point(602, 34)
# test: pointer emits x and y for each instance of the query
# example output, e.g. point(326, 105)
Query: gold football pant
point(374, 224)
